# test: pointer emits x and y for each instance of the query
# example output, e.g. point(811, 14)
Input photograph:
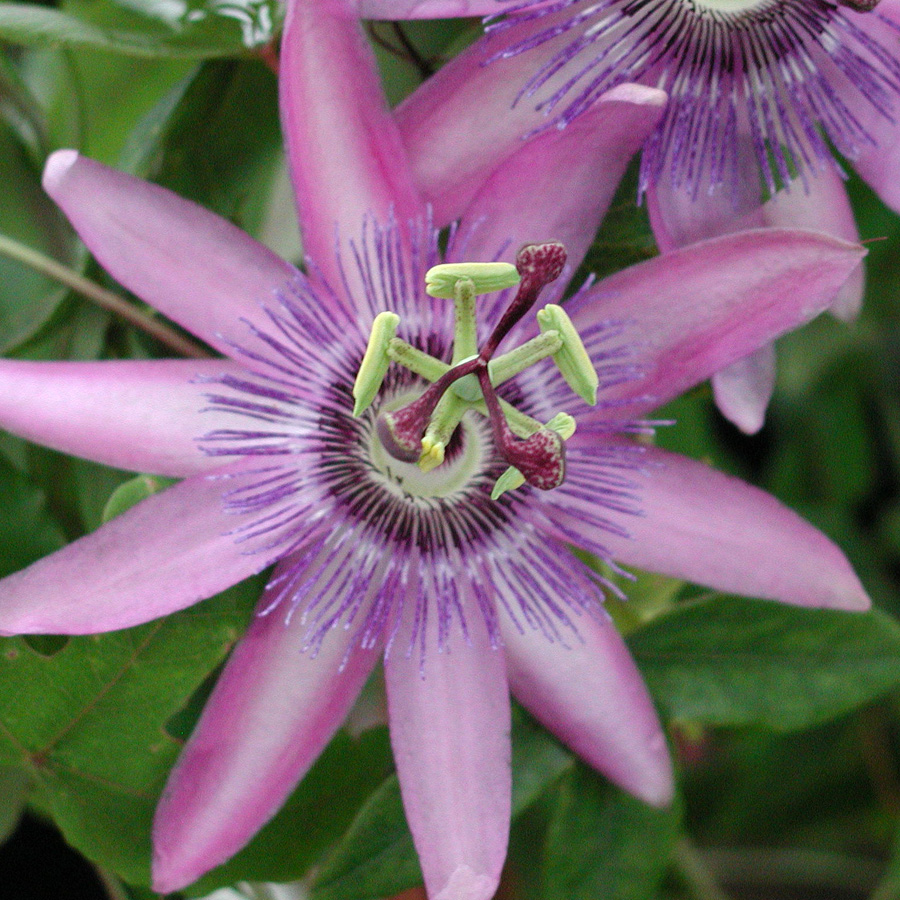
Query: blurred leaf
point(88, 723)
point(38, 26)
point(223, 144)
point(27, 530)
point(27, 299)
point(625, 236)
point(376, 857)
point(605, 843)
point(740, 662)
point(14, 788)
point(132, 492)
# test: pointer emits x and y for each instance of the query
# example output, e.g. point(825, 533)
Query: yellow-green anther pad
point(375, 362)
point(440, 281)
point(563, 424)
point(572, 359)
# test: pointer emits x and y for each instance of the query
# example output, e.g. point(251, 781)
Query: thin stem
point(102, 297)
point(696, 874)
point(111, 884)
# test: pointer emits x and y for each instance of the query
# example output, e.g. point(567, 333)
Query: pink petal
point(557, 185)
point(450, 726)
point(592, 697)
point(743, 389)
point(144, 416)
point(880, 165)
point(424, 9)
point(702, 526)
point(345, 153)
point(463, 121)
point(273, 710)
point(162, 555)
point(679, 220)
point(193, 266)
point(694, 311)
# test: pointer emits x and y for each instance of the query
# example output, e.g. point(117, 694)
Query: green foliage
point(603, 843)
point(87, 724)
point(740, 662)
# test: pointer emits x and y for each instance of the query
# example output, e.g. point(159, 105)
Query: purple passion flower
point(765, 86)
point(282, 448)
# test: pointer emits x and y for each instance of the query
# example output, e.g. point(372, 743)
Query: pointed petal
point(592, 697)
point(824, 207)
point(703, 526)
point(558, 184)
point(696, 310)
point(162, 555)
point(273, 710)
point(144, 416)
point(743, 389)
point(679, 220)
point(450, 725)
point(464, 120)
point(344, 150)
point(193, 266)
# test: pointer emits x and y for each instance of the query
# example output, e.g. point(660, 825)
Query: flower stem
point(695, 874)
point(105, 299)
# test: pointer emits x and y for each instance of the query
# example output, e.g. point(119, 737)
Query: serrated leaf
point(604, 843)
point(733, 662)
point(87, 724)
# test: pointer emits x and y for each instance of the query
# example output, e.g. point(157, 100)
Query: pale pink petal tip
point(655, 784)
point(57, 167)
point(464, 884)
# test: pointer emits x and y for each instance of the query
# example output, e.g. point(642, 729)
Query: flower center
point(419, 431)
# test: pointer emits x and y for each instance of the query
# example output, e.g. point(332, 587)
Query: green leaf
point(222, 144)
point(27, 298)
point(734, 662)
point(38, 26)
point(132, 492)
point(625, 236)
point(27, 530)
point(603, 843)
point(376, 857)
point(14, 788)
point(87, 724)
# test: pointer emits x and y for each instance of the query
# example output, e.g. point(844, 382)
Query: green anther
point(440, 281)
point(572, 359)
point(509, 364)
point(375, 362)
point(417, 361)
point(465, 336)
point(564, 425)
